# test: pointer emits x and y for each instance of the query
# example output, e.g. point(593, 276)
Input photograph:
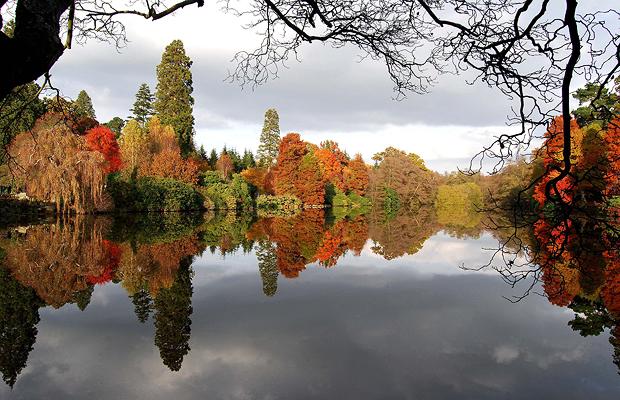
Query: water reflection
point(151, 258)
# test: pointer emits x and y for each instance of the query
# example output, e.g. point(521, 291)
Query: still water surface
point(219, 307)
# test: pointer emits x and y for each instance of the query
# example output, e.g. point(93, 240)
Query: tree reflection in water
point(59, 263)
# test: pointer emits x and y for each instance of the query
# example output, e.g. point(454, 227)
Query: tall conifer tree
point(83, 105)
point(173, 98)
point(269, 139)
point(143, 106)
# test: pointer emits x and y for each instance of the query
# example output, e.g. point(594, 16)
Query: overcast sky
point(328, 95)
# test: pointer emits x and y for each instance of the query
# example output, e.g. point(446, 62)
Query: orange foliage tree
point(169, 164)
point(332, 162)
point(163, 153)
point(225, 166)
point(298, 172)
point(356, 176)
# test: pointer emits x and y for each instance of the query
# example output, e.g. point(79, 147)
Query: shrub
point(210, 178)
point(235, 195)
point(153, 194)
point(285, 205)
point(391, 202)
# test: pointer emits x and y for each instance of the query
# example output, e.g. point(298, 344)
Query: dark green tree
point(269, 139)
point(174, 102)
point(202, 153)
point(18, 113)
point(116, 125)
point(83, 106)
point(173, 310)
point(143, 106)
point(143, 304)
point(213, 159)
point(591, 317)
point(236, 159)
point(268, 266)
point(82, 298)
point(19, 316)
point(248, 160)
point(597, 108)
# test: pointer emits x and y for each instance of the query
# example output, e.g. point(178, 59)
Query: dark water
point(303, 308)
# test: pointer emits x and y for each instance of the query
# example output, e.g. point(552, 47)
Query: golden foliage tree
point(54, 164)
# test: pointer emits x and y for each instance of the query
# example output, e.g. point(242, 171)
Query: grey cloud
point(329, 89)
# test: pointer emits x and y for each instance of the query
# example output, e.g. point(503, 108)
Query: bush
point(153, 194)
point(285, 205)
point(235, 195)
point(210, 178)
point(391, 202)
point(352, 200)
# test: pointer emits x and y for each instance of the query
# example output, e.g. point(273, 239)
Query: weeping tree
point(53, 164)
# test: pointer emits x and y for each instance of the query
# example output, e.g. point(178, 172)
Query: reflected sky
point(414, 327)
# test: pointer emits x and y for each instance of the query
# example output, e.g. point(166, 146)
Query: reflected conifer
point(173, 309)
point(19, 316)
point(268, 267)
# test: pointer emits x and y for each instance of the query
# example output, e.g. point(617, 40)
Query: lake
point(308, 307)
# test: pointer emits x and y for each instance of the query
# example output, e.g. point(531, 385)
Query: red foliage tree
point(103, 140)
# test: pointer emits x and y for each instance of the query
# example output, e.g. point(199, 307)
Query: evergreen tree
point(143, 106)
point(173, 310)
point(83, 106)
point(18, 113)
point(116, 125)
point(236, 160)
point(202, 153)
point(268, 267)
point(248, 160)
point(19, 316)
point(213, 159)
point(269, 139)
point(82, 298)
point(174, 102)
point(143, 304)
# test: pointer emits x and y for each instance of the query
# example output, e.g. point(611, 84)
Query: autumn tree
point(133, 144)
point(298, 172)
point(355, 176)
point(173, 97)
point(169, 164)
point(83, 106)
point(54, 164)
point(103, 140)
point(400, 173)
point(332, 161)
point(269, 139)
point(143, 106)
point(225, 165)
